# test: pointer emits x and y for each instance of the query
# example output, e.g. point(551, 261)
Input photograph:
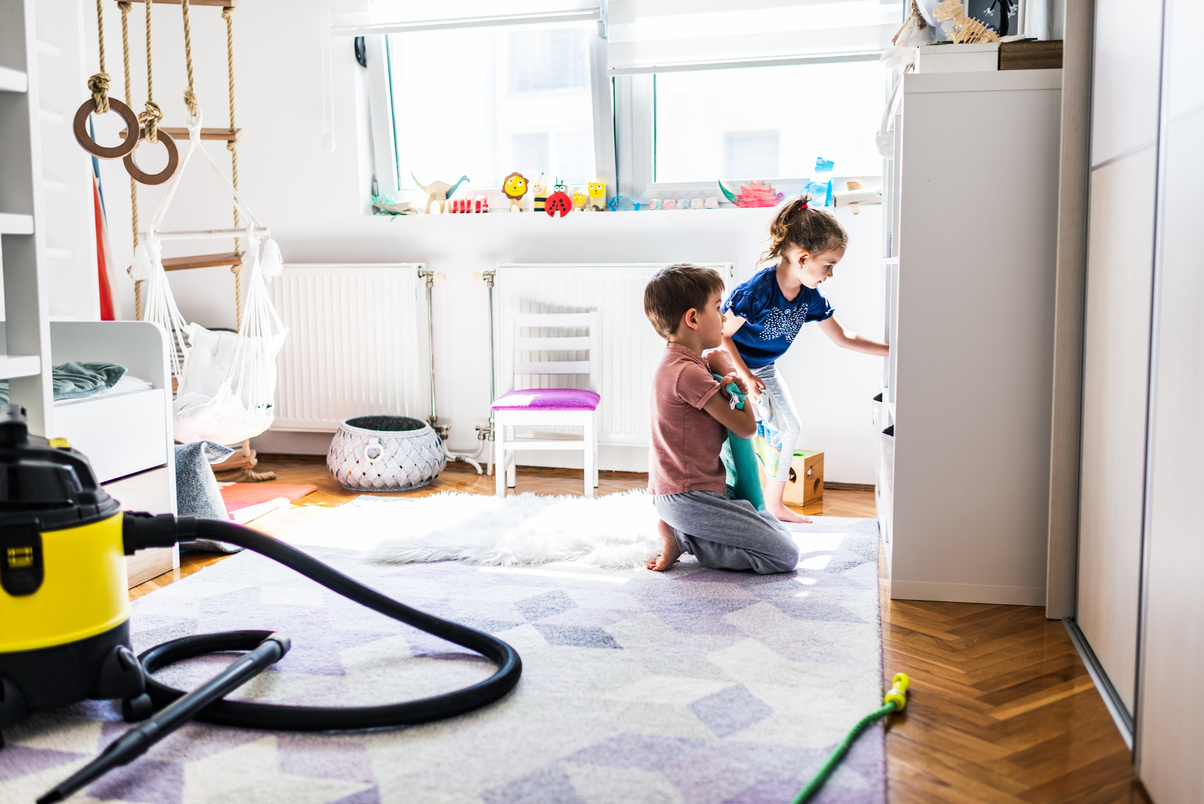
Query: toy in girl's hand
point(597, 196)
point(578, 200)
point(753, 194)
point(539, 194)
point(514, 188)
point(559, 203)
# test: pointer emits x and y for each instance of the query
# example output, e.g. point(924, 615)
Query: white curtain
point(652, 35)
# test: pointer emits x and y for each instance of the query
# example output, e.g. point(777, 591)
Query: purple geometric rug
point(695, 685)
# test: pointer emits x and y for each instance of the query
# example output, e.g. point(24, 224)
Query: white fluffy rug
point(615, 531)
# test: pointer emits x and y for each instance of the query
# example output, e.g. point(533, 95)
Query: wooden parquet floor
point(1001, 708)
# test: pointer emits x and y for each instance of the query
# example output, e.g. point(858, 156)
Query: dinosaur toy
point(753, 194)
point(438, 192)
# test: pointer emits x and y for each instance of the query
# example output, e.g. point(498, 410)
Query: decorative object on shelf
point(753, 194)
point(820, 189)
point(697, 203)
point(918, 29)
point(597, 196)
point(514, 188)
point(150, 117)
point(437, 192)
point(386, 205)
point(655, 203)
point(101, 103)
point(711, 203)
point(578, 199)
point(621, 203)
point(473, 203)
point(1007, 10)
point(558, 202)
point(962, 29)
point(855, 195)
point(669, 203)
point(539, 194)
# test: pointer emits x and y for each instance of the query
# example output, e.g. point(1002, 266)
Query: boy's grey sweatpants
point(727, 534)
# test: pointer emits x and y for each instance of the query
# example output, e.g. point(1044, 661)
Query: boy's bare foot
point(784, 514)
point(669, 550)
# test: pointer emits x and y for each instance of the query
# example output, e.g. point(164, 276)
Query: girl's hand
point(754, 384)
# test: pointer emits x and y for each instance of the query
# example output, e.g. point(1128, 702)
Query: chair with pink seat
point(541, 354)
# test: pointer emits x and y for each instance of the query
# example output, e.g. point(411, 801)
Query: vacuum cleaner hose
point(318, 718)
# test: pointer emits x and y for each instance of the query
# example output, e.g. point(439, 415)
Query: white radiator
point(357, 344)
point(630, 346)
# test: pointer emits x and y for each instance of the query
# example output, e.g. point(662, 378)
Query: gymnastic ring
point(173, 161)
point(85, 140)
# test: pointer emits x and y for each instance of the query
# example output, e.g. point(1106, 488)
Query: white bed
point(125, 432)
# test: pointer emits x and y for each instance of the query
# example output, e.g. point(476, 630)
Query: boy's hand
point(733, 377)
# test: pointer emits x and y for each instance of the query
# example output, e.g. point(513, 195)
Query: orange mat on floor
point(246, 501)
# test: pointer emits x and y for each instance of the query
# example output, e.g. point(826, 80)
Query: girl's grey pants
point(727, 534)
point(785, 418)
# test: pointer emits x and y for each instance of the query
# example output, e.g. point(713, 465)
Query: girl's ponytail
point(800, 224)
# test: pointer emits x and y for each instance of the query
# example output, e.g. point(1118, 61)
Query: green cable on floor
point(895, 700)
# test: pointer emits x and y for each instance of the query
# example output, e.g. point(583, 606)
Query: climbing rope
point(894, 700)
point(232, 147)
point(99, 83)
point(125, 58)
point(151, 114)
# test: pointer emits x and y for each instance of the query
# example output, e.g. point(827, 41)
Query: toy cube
point(806, 484)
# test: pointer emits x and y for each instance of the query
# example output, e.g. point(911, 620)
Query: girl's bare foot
point(669, 550)
point(784, 514)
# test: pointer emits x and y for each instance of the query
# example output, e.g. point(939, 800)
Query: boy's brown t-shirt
point(686, 440)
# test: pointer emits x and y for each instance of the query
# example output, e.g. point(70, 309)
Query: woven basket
point(385, 453)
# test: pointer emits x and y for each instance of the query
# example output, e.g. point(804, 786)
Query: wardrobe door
point(1120, 249)
point(1170, 730)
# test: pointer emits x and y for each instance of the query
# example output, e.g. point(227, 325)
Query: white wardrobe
point(970, 245)
point(1139, 601)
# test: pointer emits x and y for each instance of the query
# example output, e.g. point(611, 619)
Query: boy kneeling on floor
point(691, 413)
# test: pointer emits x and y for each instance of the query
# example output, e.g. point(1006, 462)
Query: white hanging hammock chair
point(226, 381)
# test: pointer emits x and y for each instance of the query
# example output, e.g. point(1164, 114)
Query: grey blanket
point(73, 380)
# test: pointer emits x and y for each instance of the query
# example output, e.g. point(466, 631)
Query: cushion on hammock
point(548, 399)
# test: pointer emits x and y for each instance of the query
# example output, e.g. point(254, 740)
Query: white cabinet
point(971, 246)
point(22, 245)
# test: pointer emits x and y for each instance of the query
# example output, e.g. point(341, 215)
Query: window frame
point(386, 166)
point(623, 117)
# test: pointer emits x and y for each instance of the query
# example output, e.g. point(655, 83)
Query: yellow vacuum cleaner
point(64, 615)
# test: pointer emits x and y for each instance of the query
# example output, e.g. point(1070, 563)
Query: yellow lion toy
point(514, 188)
point(597, 196)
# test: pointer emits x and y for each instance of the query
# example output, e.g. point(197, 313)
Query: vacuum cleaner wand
point(135, 742)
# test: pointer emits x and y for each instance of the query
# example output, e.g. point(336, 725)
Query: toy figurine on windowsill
point(559, 203)
point(597, 196)
point(514, 188)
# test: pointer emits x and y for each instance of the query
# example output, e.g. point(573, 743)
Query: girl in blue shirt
point(765, 313)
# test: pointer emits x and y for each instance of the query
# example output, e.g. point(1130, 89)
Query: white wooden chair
point(531, 403)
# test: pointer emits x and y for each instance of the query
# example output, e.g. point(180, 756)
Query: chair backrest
point(537, 346)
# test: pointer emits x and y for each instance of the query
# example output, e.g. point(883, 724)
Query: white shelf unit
point(970, 249)
point(22, 244)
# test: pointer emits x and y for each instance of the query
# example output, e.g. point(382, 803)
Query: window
point(483, 102)
point(767, 122)
point(655, 97)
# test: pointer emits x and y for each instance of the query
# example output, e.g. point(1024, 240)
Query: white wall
point(315, 203)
